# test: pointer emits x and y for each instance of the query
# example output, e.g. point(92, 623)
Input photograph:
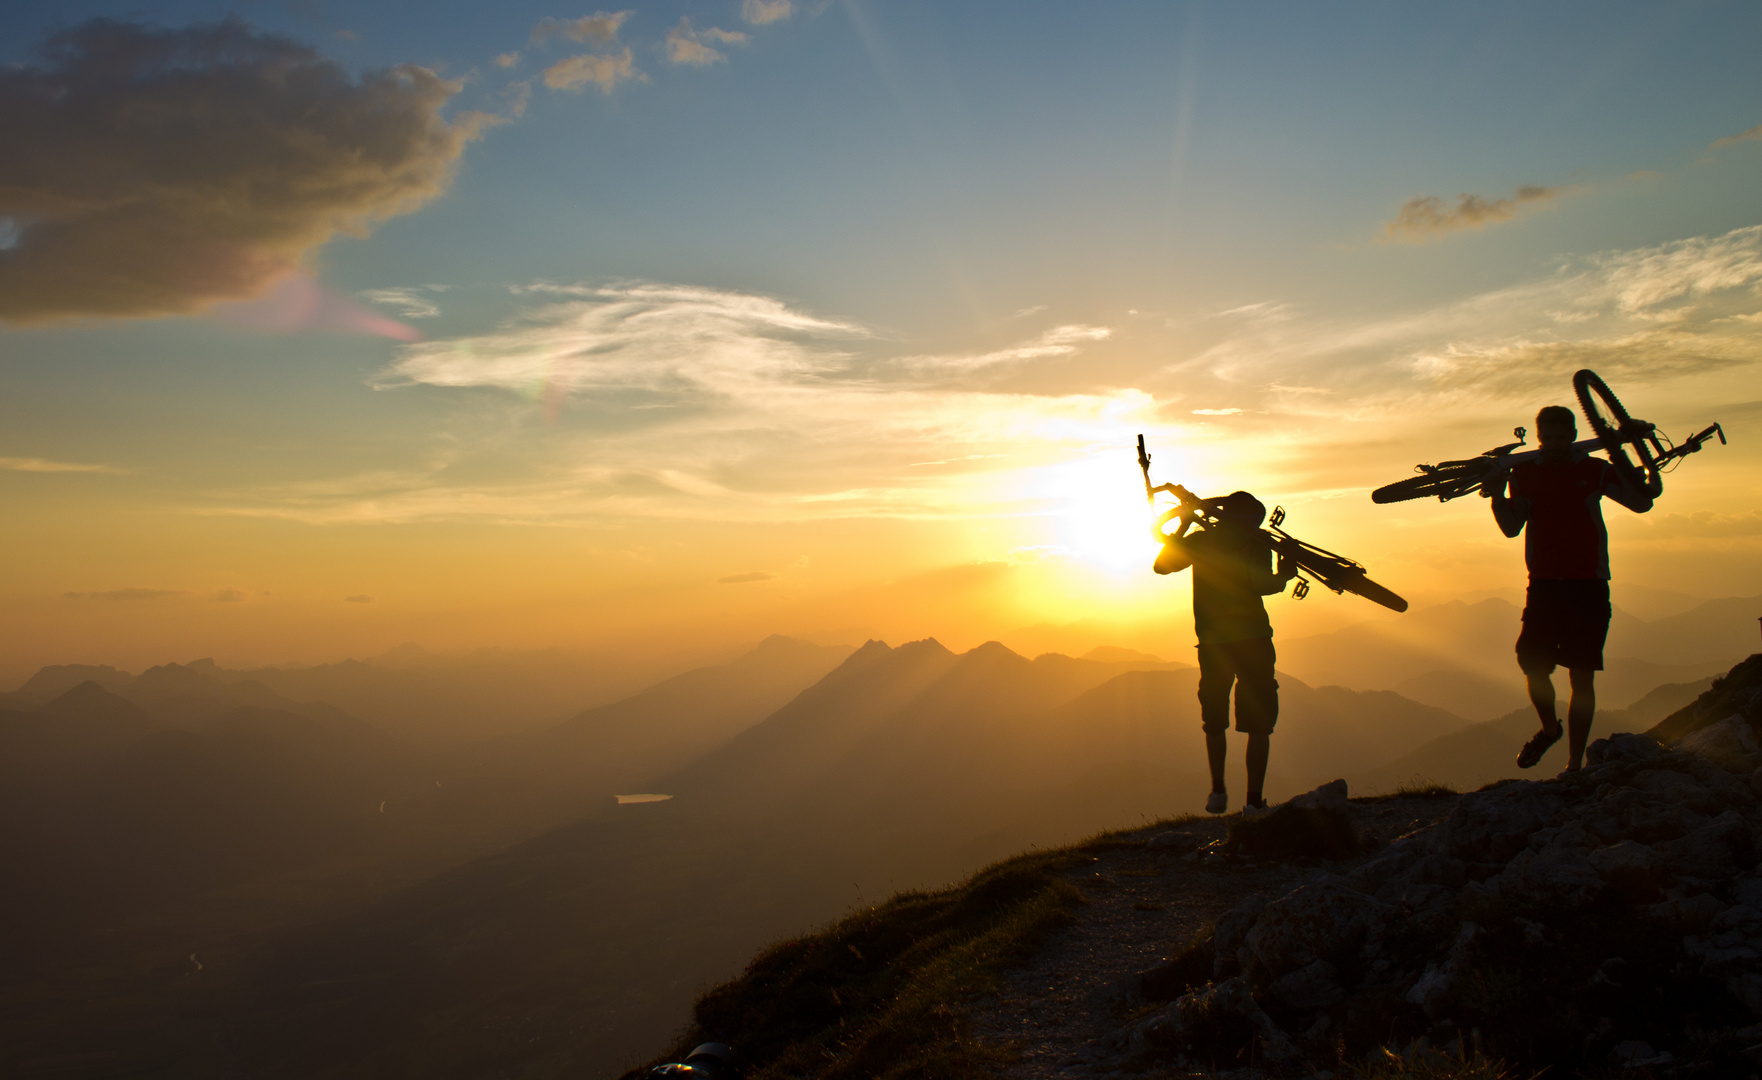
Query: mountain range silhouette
point(446, 909)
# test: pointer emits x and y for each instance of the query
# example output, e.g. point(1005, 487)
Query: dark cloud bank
point(151, 171)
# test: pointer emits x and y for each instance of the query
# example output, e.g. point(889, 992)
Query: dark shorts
point(1248, 666)
point(1564, 625)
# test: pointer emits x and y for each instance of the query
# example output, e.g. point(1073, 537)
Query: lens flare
point(300, 303)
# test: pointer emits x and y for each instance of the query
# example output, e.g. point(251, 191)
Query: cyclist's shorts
point(1564, 625)
point(1248, 666)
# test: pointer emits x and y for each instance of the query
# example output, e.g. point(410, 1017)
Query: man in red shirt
point(1566, 612)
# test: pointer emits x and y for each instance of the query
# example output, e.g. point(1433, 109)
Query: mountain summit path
point(1148, 893)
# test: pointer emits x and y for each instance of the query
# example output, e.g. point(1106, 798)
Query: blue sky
point(991, 234)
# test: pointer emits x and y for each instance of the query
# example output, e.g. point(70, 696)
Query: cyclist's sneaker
point(1218, 803)
point(1537, 746)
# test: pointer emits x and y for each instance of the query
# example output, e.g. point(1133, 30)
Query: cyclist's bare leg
point(1579, 714)
point(1259, 749)
point(1541, 688)
point(1215, 747)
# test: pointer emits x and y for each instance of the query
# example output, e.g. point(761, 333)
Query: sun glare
point(1098, 512)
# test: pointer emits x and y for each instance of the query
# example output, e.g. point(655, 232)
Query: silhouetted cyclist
point(1566, 611)
point(1232, 570)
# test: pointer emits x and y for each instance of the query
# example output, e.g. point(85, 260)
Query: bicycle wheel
point(1446, 484)
point(1616, 431)
point(1373, 592)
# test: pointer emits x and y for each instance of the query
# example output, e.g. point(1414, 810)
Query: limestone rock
point(1327, 920)
point(1330, 796)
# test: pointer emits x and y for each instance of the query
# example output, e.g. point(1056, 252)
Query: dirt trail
point(1147, 897)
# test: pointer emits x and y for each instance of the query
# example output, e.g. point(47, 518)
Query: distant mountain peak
point(90, 699)
point(992, 650)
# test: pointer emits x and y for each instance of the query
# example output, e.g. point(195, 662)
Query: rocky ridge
point(1607, 918)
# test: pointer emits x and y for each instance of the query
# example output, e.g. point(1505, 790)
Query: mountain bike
point(1335, 572)
point(1614, 432)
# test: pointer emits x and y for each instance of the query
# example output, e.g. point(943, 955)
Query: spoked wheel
point(1615, 429)
point(1445, 484)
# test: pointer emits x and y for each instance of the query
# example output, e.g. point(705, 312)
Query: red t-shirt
point(1565, 537)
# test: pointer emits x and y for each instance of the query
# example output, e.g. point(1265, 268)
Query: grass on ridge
point(883, 992)
point(1413, 788)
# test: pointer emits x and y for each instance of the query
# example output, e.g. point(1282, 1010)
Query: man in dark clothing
point(1566, 612)
point(1232, 570)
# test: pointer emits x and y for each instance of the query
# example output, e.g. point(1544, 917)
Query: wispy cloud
point(410, 302)
point(682, 402)
point(1752, 135)
point(44, 465)
point(602, 70)
point(507, 60)
point(145, 143)
point(760, 12)
point(1058, 341)
point(124, 594)
point(685, 45)
point(1667, 311)
point(736, 401)
point(229, 596)
point(742, 579)
point(1428, 218)
point(679, 342)
point(602, 26)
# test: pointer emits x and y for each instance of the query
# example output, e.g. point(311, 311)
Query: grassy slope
point(883, 992)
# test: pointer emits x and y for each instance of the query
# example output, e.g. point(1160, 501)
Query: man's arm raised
point(1511, 514)
point(1174, 556)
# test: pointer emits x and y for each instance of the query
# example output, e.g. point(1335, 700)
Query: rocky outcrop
point(1592, 920)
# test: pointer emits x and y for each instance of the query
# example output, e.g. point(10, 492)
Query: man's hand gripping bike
point(1614, 433)
point(1336, 572)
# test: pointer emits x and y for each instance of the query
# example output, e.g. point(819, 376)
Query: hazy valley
point(213, 871)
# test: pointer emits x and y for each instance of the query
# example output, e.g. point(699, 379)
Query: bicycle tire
point(1589, 386)
point(1376, 594)
point(1445, 484)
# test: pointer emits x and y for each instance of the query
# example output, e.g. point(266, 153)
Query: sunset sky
point(326, 327)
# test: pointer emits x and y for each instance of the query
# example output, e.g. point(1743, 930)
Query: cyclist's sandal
point(1537, 746)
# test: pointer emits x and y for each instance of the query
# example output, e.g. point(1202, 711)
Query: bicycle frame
point(1453, 479)
point(1335, 572)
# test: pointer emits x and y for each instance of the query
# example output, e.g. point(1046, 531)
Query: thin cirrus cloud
point(604, 70)
point(1428, 217)
point(602, 26)
point(1752, 135)
point(686, 45)
point(690, 400)
point(132, 147)
point(669, 340)
point(761, 12)
point(411, 303)
point(1643, 316)
point(44, 465)
point(743, 579)
point(124, 594)
point(1058, 341)
point(687, 398)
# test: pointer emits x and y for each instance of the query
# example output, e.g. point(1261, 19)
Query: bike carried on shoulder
point(1336, 572)
point(1614, 433)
